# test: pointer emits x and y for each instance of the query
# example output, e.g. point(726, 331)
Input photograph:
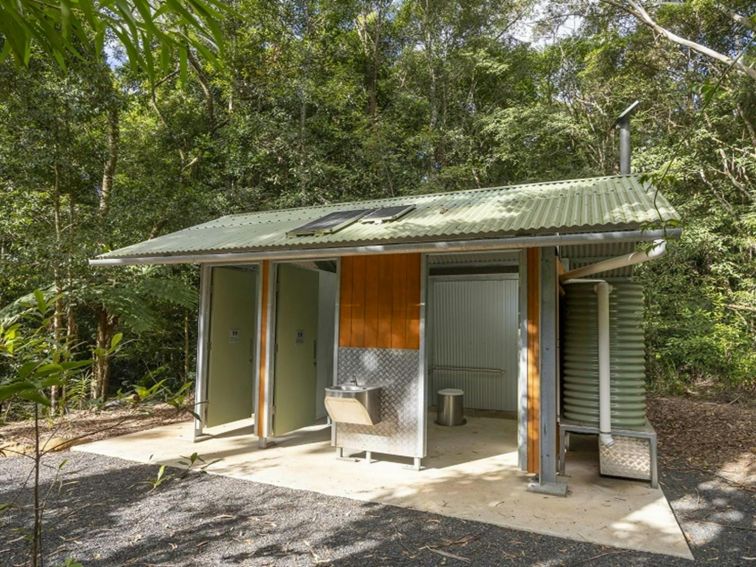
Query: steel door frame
point(203, 345)
point(270, 334)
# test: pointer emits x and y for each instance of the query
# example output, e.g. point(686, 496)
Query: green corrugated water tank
point(580, 379)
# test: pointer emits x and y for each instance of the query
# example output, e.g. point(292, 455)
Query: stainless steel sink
point(353, 403)
point(336, 390)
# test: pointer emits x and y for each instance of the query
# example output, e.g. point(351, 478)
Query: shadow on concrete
point(471, 474)
point(104, 513)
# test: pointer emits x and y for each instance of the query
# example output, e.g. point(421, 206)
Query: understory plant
point(34, 363)
point(38, 363)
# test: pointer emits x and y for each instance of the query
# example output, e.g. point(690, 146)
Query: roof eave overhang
point(475, 245)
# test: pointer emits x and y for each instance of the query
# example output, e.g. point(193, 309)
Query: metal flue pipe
point(623, 123)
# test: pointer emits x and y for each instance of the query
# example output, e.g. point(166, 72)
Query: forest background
point(319, 101)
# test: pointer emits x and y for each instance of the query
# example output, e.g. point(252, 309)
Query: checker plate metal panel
point(629, 457)
point(397, 371)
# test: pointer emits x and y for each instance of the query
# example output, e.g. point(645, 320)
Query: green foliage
point(700, 319)
point(326, 101)
point(37, 360)
point(160, 478)
point(144, 392)
point(192, 463)
point(179, 399)
point(79, 29)
point(135, 296)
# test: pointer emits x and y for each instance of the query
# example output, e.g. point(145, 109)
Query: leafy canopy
point(152, 34)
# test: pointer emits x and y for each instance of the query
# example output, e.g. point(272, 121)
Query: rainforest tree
point(317, 101)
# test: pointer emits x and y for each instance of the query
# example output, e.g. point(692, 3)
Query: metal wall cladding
point(579, 255)
point(473, 327)
point(579, 351)
point(502, 258)
point(397, 371)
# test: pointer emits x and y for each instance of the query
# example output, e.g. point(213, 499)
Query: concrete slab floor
point(470, 473)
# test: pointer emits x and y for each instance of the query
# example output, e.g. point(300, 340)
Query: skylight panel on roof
point(330, 223)
point(387, 214)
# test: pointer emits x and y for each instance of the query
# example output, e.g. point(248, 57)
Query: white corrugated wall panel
point(474, 325)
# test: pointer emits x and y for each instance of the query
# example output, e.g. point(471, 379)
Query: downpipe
point(658, 249)
point(603, 290)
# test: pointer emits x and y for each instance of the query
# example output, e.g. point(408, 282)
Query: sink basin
point(336, 390)
point(353, 403)
point(343, 388)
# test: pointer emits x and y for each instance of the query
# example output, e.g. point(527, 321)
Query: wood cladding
point(534, 370)
point(379, 304)
point(265, 284)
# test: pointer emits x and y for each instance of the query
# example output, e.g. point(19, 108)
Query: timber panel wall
point(379, 305)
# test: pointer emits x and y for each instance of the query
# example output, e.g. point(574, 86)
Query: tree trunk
point(71, 326)
point(431, 60)
point(303, 97)
point(101, 369)
point(206, 88)
point(640, 13)
point(376, 63)
point(110, 164)
point(106, 321)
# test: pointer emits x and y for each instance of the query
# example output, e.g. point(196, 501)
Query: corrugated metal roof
point(582, 205)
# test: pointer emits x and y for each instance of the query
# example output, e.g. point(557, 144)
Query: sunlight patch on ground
point(471, 473)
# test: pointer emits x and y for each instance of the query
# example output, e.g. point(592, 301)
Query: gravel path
point(103, 511)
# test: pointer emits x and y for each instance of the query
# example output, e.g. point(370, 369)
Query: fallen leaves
point(91, 425)
point(706, 435)
point(447, 554)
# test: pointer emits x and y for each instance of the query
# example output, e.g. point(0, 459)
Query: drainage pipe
point(604, 362)
point(658, 249)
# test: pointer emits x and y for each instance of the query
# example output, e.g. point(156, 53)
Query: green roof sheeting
point(598, 204)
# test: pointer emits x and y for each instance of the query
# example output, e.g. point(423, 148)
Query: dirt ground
point(84, 426)
point(700, 435)
point(108, 512)
point(707, 436)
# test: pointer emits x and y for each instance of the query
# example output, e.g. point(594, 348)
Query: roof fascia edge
point(425, 247)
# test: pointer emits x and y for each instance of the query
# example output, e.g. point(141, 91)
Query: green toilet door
point(233, 328)
point(295, 378)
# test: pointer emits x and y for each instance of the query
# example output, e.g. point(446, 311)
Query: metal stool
point(450, 407)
